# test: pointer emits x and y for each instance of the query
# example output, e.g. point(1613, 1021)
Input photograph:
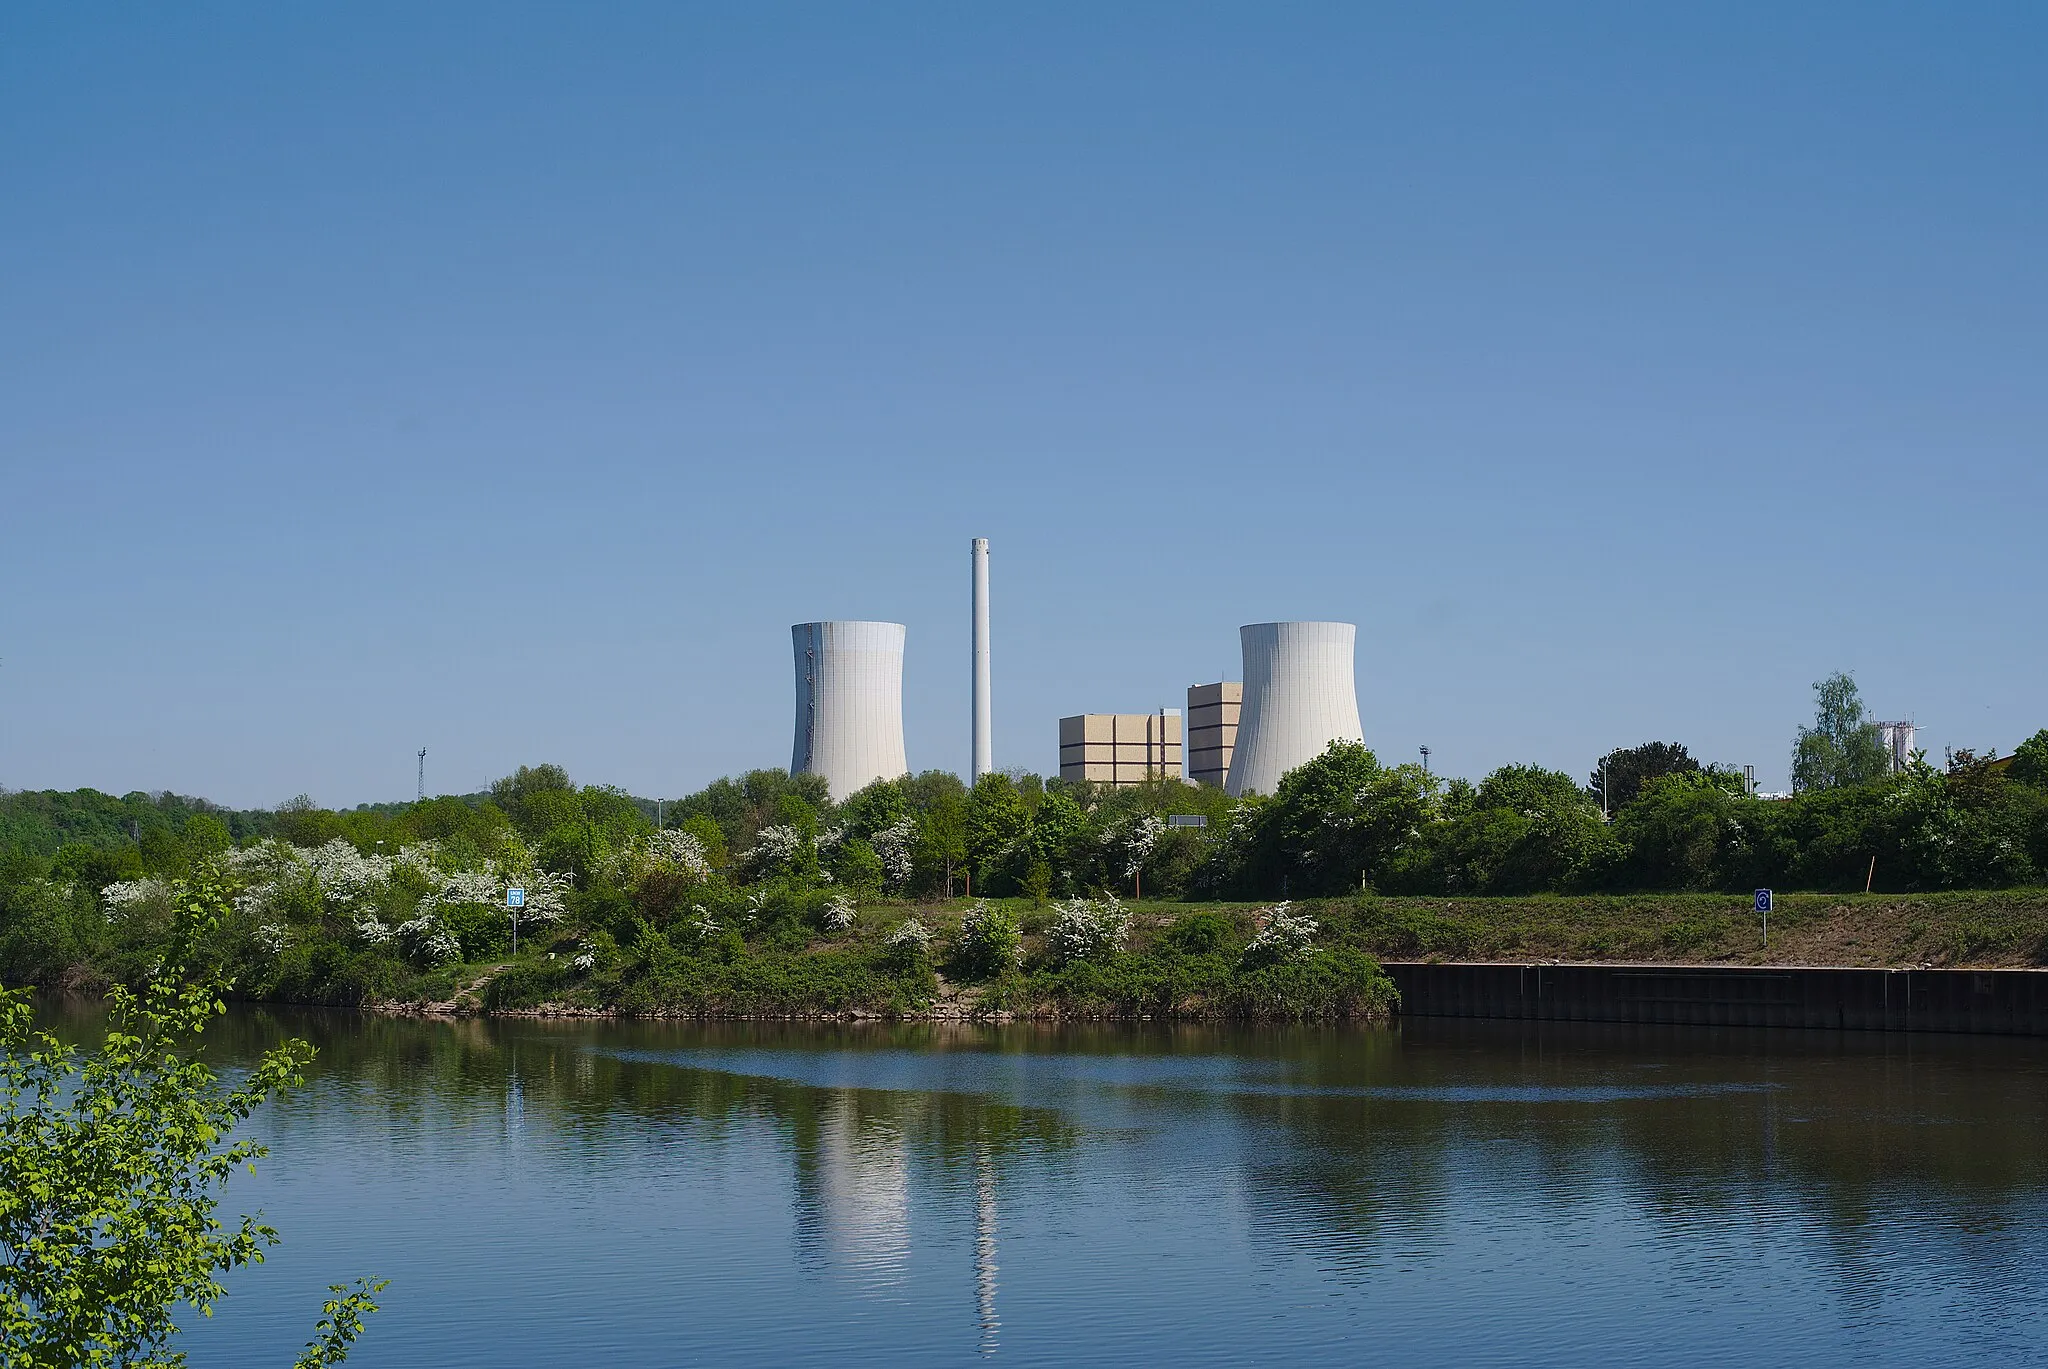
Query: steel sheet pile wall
point(849, 703)
point(2000, 1002)
point(1299, 696)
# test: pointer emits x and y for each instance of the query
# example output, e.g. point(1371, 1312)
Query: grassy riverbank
point(2003, 928)
point(1189, 961)
point(1170, 959)
point(1178, 961)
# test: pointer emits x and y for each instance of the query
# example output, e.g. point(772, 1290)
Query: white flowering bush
point(374, 932)
point(261, 860)
point(547, 895)
point(132, 895)
point(699, 927)
point(273, 938)
point(465, 889)
point(1131, 845)
point(839, 911)
point(681, 851)
point(1087, 930)
point(427, 940)
point(421, 859)
point(586, 961)
point(347, 877)
point(892, 844)
point(1285, 935)
point(773, 848)
point(670, 852)
point(908, 941)
point(781, 849)
point(989, 940)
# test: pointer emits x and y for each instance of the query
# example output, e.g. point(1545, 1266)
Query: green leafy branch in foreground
point(111, 1163)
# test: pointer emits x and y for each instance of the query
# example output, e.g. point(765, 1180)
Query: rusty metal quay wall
point(1998, 1002)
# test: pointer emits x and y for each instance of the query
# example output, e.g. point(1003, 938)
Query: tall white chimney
point(984, 742)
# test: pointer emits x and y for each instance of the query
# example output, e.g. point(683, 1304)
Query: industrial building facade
point(1212, 730)
point(1121, 748)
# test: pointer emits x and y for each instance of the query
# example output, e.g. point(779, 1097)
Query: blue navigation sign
point(516, 898)
point(1763, 900)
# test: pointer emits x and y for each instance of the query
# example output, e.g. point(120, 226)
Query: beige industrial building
point(1212, 729)
point(1121, 748)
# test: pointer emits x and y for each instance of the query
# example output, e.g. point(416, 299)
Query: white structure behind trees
point(1299, 696)
point(849, 703)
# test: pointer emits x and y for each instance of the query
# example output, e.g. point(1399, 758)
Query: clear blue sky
point(505, 380)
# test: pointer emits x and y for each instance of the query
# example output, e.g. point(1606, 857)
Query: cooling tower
point(849, 703)
point(1298, 698)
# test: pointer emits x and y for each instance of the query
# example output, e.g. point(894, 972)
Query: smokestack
point(984, 743)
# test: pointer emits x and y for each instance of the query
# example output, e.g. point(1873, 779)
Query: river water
point(1437, 1193)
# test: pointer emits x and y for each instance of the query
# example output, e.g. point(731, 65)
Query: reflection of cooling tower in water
point(864, 1189)
point(1298, 698)
point(849, 703)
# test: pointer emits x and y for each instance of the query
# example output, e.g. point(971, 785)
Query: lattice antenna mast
point(423, 776)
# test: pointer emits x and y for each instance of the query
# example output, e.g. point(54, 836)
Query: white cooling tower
point(849, 703)
point(1298, 698)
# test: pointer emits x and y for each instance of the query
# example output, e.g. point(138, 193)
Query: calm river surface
point(1448, 1193)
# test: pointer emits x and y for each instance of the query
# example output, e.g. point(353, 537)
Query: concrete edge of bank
point(1995, 1002)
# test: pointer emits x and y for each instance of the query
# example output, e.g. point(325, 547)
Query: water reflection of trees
point(1350, 1148)
point(1840, 1140)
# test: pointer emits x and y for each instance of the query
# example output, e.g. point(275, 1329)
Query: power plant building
point(1213, 711)
point(849, 703)
point(1121, 748)
point(1299, 696)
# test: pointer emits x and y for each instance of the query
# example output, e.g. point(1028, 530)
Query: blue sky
point(505, 380)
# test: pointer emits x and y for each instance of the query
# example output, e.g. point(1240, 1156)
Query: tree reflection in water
point(1896, 1167)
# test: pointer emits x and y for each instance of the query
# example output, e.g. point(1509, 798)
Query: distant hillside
point(42, 820)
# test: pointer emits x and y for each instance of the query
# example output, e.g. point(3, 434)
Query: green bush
point(988, 943)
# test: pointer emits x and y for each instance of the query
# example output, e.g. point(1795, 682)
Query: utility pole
point(423, 776)
point(1603, 790)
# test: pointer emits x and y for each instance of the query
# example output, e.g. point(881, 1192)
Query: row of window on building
point(1129, 748)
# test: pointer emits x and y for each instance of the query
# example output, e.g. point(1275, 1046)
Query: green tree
point(857, 869)
point(531, 797)
point(1531, 790)
point(708, 834)
point(1336, 821)
point(1523, 830)
point(110, 1169)
point(867, 811)
point(996, 821)
point(940, 847)
point(1622, 773)
point(1843, 747)
point(2030, 761)
point(1057, 828)
point(303, 822)
point(1683, 831)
